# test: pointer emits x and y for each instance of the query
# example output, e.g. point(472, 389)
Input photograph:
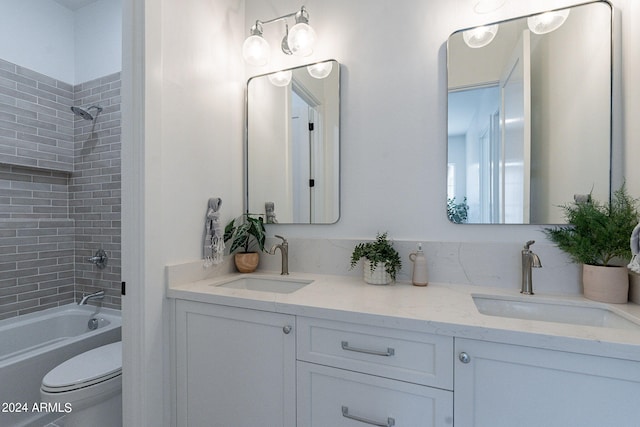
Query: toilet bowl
point(88, 387)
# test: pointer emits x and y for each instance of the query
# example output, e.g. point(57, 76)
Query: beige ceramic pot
point(378, 276)
point(247, 262)
point(606, 284)
point(634, 287)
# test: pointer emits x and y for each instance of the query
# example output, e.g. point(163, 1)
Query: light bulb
point(281, 78)
point(480, 36)
point(301, 39)
point(547, 22)
point(320, 70)
point(255, 50)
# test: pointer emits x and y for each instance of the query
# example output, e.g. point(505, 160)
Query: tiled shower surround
point(59, 190)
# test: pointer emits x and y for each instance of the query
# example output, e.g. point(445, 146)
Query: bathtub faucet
point(100, 259)
point(95, 295)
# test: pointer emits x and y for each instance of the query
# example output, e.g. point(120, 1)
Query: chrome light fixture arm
point(301, 17)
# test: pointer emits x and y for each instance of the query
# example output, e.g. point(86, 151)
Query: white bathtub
point(33, 344)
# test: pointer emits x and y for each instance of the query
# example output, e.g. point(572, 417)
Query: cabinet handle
point(389, 423)
point(347, 347)
point(287, 329)
point(464, 357)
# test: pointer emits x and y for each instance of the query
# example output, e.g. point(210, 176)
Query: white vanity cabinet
point(353, 374)
point(509, 385)
point(234, 366)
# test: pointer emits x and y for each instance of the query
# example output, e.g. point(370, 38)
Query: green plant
point(457, 212)
point(380, 250)
point(248, 231)
point(598, 233)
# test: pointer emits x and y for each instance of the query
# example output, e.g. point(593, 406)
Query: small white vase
point(378, 276)
point(606, 284)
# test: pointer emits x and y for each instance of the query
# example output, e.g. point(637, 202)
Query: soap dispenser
point(419, 277)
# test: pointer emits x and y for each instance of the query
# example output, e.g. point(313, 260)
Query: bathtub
point(33, 344)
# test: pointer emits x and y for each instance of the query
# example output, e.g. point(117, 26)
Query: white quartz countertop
point(443, 309)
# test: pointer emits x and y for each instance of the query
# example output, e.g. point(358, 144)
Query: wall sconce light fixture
point(480, 36)
point(297, 41)
point(547, 22)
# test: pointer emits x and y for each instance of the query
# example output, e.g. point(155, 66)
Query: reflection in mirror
point(293, 130)
point(529, 116)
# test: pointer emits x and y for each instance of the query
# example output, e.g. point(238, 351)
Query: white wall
point(70, 46)
point(562, 151)
point(38, 34)
point(182, 144)
point(269, 156)
point(98, 40)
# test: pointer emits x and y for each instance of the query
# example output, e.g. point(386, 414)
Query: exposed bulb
point(301, 39)
point(281, 78)
point(320, 70)
point(547, 22)
point(480, 36)
point(255, 50)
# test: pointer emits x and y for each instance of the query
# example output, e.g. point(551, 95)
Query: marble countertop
point(443, 309)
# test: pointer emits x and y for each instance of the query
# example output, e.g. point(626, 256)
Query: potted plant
point(598, 237)
point(457, 212)
point(245, 232)
point(381, 260)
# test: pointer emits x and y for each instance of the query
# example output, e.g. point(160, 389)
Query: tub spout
point(95, 295)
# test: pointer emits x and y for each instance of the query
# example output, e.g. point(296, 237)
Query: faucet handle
point(528, 244)
point(282, 238)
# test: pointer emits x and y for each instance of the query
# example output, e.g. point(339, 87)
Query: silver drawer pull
point(389, 423)
point(389, 352)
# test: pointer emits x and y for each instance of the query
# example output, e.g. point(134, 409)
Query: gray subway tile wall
point(36, 125)
point(59, 190)
point(94, 190)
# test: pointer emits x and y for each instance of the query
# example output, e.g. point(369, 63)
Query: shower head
point(85, 114)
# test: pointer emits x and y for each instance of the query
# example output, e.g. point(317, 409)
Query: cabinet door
point(234, 367)
point(339, 398)
point(509, 385)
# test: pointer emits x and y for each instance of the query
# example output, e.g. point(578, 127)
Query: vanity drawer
point(414, 357)
point(335, 397)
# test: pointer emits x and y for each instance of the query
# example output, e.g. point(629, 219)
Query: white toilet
point(91, 383)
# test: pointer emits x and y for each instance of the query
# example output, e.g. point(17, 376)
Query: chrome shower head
point(85, 114)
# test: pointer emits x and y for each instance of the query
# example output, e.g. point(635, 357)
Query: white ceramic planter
point(606, 284)
point(376, 277)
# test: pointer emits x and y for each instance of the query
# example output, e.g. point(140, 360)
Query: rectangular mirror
point(529, 116)
point(293, 145)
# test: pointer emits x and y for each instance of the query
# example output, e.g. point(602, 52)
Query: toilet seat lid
point(85, 369)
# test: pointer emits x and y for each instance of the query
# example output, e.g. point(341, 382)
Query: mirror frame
point(338, 197)
point(610, 103)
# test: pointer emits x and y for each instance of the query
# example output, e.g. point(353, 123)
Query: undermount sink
point(552, 311)
point(265, 284)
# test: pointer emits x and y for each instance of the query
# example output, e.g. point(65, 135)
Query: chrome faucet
point(95, 295)
point(284, 251)
point(529, 260)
